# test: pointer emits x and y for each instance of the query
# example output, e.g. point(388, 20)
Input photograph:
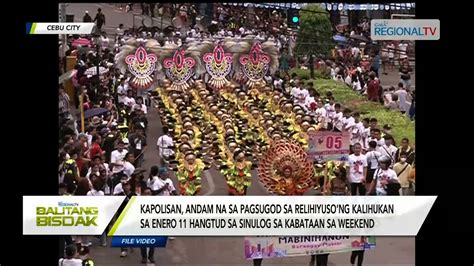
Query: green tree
point(315, 32)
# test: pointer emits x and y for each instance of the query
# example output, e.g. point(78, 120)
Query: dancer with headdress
point(285, 169)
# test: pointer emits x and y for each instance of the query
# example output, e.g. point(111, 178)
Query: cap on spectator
point(104, 131)
point(163, 170)
point(82, 135)
point(96, 121)
point(387, 127)
point(121, 141)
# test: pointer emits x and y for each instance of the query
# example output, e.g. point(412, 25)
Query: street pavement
point(113, 16)
point(214, 251)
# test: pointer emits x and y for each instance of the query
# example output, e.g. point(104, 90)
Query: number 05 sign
point(327, 146)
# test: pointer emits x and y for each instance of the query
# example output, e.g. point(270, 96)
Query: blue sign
point(139, 241)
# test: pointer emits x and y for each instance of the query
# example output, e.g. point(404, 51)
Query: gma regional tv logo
point(405, 29)
point(66, 214)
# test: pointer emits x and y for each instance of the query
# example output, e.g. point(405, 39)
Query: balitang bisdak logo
point(71, 215)
point(405, 29)
point(66, 214)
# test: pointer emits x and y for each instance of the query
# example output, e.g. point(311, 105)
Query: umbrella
point(92, 71)
point(339, 38)
point(81, 42)
point(94, 112)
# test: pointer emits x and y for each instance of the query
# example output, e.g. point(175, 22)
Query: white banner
point(68, 215)
point(280, 215)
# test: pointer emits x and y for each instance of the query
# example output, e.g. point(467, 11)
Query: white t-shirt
point(157, 183)
point(355, 51)
point(94, 192)
point(277, 83)
point(348, 123)
point(330, 111)
point(308, 101)
point(383, 175)
point(337, 121)
point(129, 101)
point(295, 91)
point(118, 189)
point(357, 133)
point(117, 157)
point(356, 85)
point(380, 142)
point(366, 137)
point(70, 262)
point(119, 32)
point(121, 90)
point(321, 114)
point(128, 168)
point(372, 157)
point(402, 100)
point(89, 139)
point(391, 50)
point(403, 50)
point(389, 151)
point(142, 107)
point(163, 143)
point(356, 166)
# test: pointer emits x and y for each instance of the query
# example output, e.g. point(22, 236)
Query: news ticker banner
point(290, 246)
point(58, 28)
point(227, 216)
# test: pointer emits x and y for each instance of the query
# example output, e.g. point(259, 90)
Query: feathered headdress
point(140, 59)
point(218, 65)
point(179, 66)
point(286, 169)
point(253, 59)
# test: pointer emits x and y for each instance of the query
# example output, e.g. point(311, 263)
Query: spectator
point(402, 98)
point(357, 169)
point(95, 148)
point(405, 73)
point(403, 169)
point(165, 146)
point(138, 145)
point(388, 149)
point(117, 158)
point(383, 177)
point(99, 19)
point(373, 88)
point(393, 103)
point(70, 260)
point(405, 148)
point(128, 165)
point(160, 183)
point(372, 161)
point(97, 190)
point(87, 18)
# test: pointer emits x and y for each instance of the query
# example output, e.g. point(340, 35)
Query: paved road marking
point(212, 187)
